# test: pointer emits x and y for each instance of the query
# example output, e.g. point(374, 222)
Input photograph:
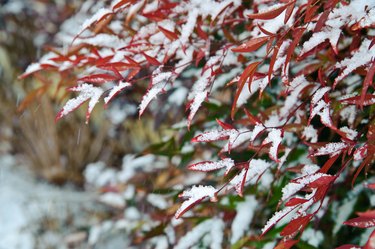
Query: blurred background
point(68, 184)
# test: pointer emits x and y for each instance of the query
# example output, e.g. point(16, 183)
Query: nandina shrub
point(279, 103)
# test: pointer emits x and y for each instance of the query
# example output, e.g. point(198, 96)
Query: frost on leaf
point(201, 88)
point(323, 110)
point(216, 135)
point(86, 92)
point(195, 195)
point(252, 172)
point(99, 15)
point(226, 163)
point(363, 56)
point(331, 149)
point(115, 90)
point(159, 80)
point(295, 186)
point(274, 137)
point(276, 218)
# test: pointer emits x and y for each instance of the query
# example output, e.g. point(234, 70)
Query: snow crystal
point(217, 135)
point(274, 137)
point(257, 167)
point(87, 91)
point(318, 95)
point(331, 149)
point(159, 80)
point(276, 217)
point(241, 222)
point(293, 187)
point(350, 133)
point(310, 134)
point(309, 169)
point(322, 109)
point(101, 40)
point(116, 89)
point(96, 17)
point(257, 129)
point(195, 194)
point(236, 140)
point(363, 56)
point(227, 163)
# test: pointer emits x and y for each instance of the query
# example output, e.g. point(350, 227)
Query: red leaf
point(369, 99)
point(187, 208)
point(122, 3)
point(296, 225)
point(253, 119)
point(370, 242)
point(367, 82)
point(225, 126)
point(248, 73)
point(322, 181)
point(289, 12)
point(274, 57)
point(97, 78)
point(363, 164)
point(132, 62)
point(200, 31)
point(151, 60)
point(271, 14)
point(251, 45)
point(310, 10)
point(155, 16)
point(169, 34)
point(368, 214)
point(199, 57)
point(321, 21)
point(371, 185)
point(295, 201)
point(121, 66)
point(296, 39)
point(328, 164)
point(361, 222)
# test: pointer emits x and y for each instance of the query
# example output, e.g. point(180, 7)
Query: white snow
point(116, 89)
point(241, 222)
point(274, 137)
point(86, 92)
point(331, 149)
point(226, 163)
point(363, 56)
point(96, 17)
point(350, 133)
point(195, 194)
point(193, 236)
point(310, 134)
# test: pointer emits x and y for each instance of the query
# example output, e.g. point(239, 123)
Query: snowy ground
point(34, 214)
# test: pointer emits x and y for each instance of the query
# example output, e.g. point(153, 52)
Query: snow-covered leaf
point(86, 92)
point(226, 163)
point(195, 195)
point(331, 149)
